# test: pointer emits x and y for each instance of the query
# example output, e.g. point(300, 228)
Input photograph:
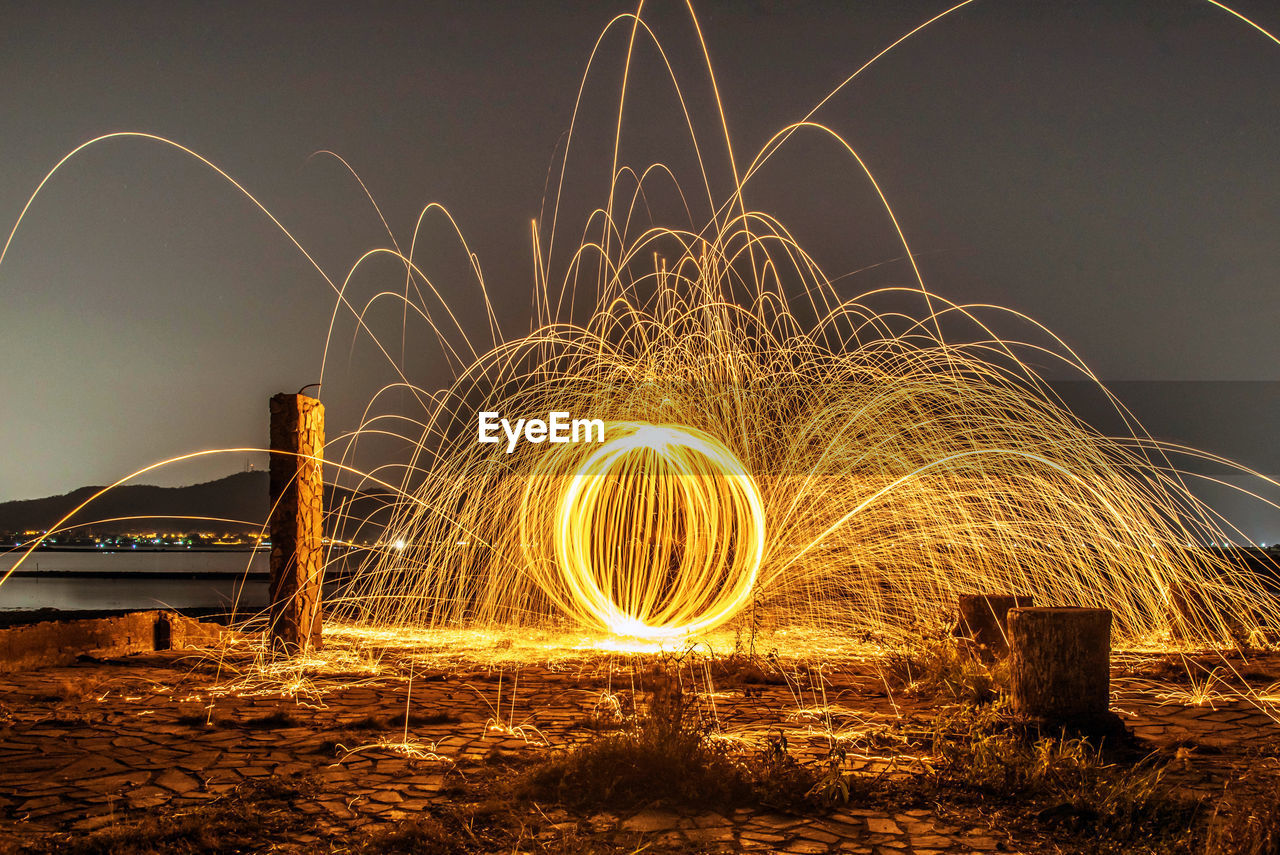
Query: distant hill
point(243, 496)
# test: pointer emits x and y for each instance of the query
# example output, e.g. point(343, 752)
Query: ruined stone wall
point(49, 643)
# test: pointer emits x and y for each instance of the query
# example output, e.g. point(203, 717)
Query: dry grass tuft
point(251, 818)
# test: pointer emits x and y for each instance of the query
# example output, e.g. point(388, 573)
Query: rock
point(882, 825)
point(180, 782)
point(650, 821)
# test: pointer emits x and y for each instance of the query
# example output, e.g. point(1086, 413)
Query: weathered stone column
point(297, 502)
point(1060, 665)
point(984, 618)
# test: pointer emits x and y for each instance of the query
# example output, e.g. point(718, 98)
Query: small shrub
point(831, 784)
point(672, 754)
point(666, 755)
point(941, 665)
point(1066, 782)
point(777, 780)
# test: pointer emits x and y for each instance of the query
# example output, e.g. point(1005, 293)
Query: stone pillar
point(297, 502)
point(984, 618)
point(1060, 665)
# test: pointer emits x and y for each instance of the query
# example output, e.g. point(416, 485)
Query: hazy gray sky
point(1110, 169)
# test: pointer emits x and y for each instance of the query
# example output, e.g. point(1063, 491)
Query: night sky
point(1109, 169)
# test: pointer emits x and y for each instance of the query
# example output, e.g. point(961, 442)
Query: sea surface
point(135, 579)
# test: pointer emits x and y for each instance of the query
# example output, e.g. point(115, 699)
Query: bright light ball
point(659, 533)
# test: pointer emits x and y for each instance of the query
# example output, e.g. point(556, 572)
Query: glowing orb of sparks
point(659, 533)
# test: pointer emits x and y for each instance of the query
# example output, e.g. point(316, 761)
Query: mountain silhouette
point(241, 499)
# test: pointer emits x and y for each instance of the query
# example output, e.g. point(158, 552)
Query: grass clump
point(780, 782)
point(1247, 819)
point(200, 721)
point(1062, 785)
point(945, 666)
point(422, 835)
point(667, 755)
point(489, 828)
point(275, 720)
point(423, 719)
point(377, 722)
point(741, 669)
point(672, 754)
point(249, 819)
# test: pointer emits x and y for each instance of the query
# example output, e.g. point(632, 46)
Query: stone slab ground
point(98, 745)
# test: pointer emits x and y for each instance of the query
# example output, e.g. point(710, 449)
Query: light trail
point(659, 533)
point(779, 457)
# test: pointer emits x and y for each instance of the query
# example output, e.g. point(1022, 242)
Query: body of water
point(136, 579)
